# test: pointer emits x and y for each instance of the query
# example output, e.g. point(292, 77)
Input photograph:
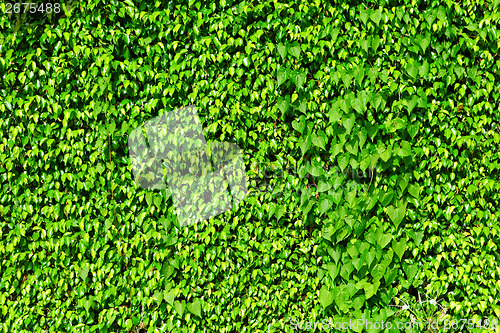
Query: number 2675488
point(33, 8)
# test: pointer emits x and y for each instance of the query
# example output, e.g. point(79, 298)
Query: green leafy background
point(309, 88)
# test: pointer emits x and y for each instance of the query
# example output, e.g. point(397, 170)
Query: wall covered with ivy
point(317, 95)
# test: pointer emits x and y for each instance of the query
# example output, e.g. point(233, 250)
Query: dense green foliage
point(320, 92)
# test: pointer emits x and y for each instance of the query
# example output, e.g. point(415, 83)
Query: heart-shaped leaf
point(371, 289)
point(412, 130)
point(299, 77)
point(410, 270)
point(324, 204)
point(376, 16)
point(352, 147)
point(386, 154)
point(412, 103)
point(294, 49)
point(414, 190)
point(348, 123)
point(424, 42)
point(284, 104)
point(169, 296)
point(399, 248)
point(384, 239)
point(372, 74)
point(335, 112)
point(357, 105)
point(362, 135)
point(405, 149)
point(332, 269)
point(344, 106)
point(195, 307)
point(397, 214)
point(319, 140)
point(282, 75)
point(365, 44)
point(343, 161)
point(180, 307)
point(325, 296)
point(282, 50)
point(84, 272)
point(300, 124)
point(376, 102)
point(363, 15)
point(412, 69)
point(305, 144)
point(424, 69)
point(346, 78)
point(359, 74)
point(375, 43)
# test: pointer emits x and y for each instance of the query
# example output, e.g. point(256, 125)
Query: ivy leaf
point(282, 50)
point(424, 42)
point(412, 70)
point(111, 127)
point(335, 112)
point(301, 104)
point(299, 77)
point(325, 297)
point(179, 307)
point(86, 304)
point(414, 190)
point(344, 106)
point(397, 214)
point(430, 17)
point(346, 78)
point(348, 123)
point(364, 44)
point(376, 16)
point(384, 239)
point(359, 74)
point(352, 147)
point(305, 143)
point(371, 288)
point(362, 135)
point(100, 168)
point(283, 75)
point(405, 149)
point(300, 124)
point(195, 307)
point(410, 270)
point(319, 140)
point(343, 161)
point(280, 211)
point(324, 204)
point(386, 154)
point(84, 272)
point(324, 186)
point(399, 248)
point(363, 15)
point(294, 49)
point(169, 296)
point(413, 130)
point(423, 69)
point(375, 43)
point(377, 101)
point(357, 105)
point(372, 74)
point(471, 27)
point(412, 103)
point(284, 104)
point(332, 269)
